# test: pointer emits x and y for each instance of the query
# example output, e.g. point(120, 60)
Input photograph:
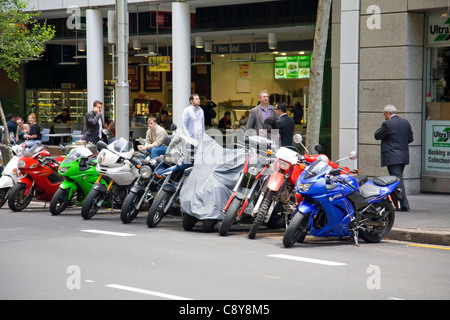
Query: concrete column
point(122, 90)
point(181, 44)
point(94, 49)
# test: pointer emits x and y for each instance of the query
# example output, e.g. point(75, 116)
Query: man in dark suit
point(260, 113)
point(395, 134)
point(93, 124)
point(286, 124)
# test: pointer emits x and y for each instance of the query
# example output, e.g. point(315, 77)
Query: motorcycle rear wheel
point(376, 234)
point(265, 205)
point(155, 213)
point(17, 201)
point(188, 222)
point(4, 196)
point(59, 201)
point(129, 209)
point(296, 230)
point(91, 204)
point(230, 216)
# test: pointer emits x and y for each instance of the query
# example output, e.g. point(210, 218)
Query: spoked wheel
point(380, 219)
point(265, 205)
point(92, 203)
point(129, 209)
point(230, 216)
point(17, 200)
point(59, 201)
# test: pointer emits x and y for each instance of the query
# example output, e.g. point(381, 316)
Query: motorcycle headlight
point(145, 172)
point(63, 169)
point(284, 164)
point(101, 157)
point(304, 186)
point(21, 164)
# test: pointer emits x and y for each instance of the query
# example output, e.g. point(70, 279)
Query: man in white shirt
point(154, 139)
point(193, 119)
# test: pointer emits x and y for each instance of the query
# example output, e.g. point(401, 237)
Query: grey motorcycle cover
point(214, 174)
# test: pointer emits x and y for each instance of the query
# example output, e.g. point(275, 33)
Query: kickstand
point(356, 237)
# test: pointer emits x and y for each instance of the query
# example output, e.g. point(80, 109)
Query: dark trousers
point(397, 170)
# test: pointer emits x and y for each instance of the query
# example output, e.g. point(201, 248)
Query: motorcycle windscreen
point(214, 174)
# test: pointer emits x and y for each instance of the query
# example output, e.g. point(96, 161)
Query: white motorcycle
point(117, 167)
point(10, 173)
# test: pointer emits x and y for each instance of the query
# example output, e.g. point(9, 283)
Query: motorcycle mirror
point(101, 145)
point(45, 153)
point(298, 138)
point(318, 148)
point(107, 133)
point(352, 155)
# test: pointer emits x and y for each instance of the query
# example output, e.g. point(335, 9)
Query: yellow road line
point(430, 247)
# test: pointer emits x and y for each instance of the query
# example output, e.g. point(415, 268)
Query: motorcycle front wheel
point(230, 216)
point(156, 211)
point(17, 201)
point(129, 209)
point(92, 203)
point(188, 222)
point(265, 205)
point(296, 230)
point(377, 226)
point(59, 201)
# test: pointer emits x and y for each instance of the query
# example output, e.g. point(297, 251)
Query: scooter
point(278, 199)
point(80, 173)
point(334, 205)
point(41, 178)
point(10, 173)
point(118, 167)
point(251, 180)
point(175, 169)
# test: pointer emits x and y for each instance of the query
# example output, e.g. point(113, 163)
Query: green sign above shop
point(438, 30)
point(292, 67)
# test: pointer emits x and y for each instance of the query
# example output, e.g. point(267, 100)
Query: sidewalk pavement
point(427, 222)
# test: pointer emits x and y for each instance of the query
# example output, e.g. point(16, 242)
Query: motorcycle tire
point(4, 196)
point(155, 213)
point(230, 216)
point(265, 205)
point(296, 230)
point(188, 222)
point(17, 201)
point(92, 203)
point(59, 201)
point(208, 225)
point(129, 210)
point(376, 234)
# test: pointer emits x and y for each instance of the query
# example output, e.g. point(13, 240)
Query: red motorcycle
point(278, 198)
point(41, 178)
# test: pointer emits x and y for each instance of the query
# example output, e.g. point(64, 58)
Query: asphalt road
point(65, 257)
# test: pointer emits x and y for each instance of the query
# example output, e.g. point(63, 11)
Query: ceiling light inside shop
point(272, 39)
point(208, 46)
point(199, 42)
point(136, 44)
point(81, 45)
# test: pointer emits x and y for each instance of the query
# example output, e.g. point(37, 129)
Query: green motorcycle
point(79, 171)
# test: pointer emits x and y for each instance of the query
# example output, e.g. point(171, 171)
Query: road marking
point(147, 292)
point(430, 247)
point(309, 260)
point(119, 234)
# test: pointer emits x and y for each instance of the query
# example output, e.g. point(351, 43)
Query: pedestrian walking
point(261, 112)
point(395, 134)
point(286, 124)
point(193, 119)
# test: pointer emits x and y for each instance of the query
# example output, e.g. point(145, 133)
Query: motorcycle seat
point(385, 180)
point(361, 179)
point(369, 190)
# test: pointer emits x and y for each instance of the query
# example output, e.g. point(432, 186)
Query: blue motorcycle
point(341, 205)
point(175, 168)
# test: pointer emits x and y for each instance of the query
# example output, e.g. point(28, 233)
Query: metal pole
point(122, 96)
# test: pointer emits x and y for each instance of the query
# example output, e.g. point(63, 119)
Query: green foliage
point(21, 36)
